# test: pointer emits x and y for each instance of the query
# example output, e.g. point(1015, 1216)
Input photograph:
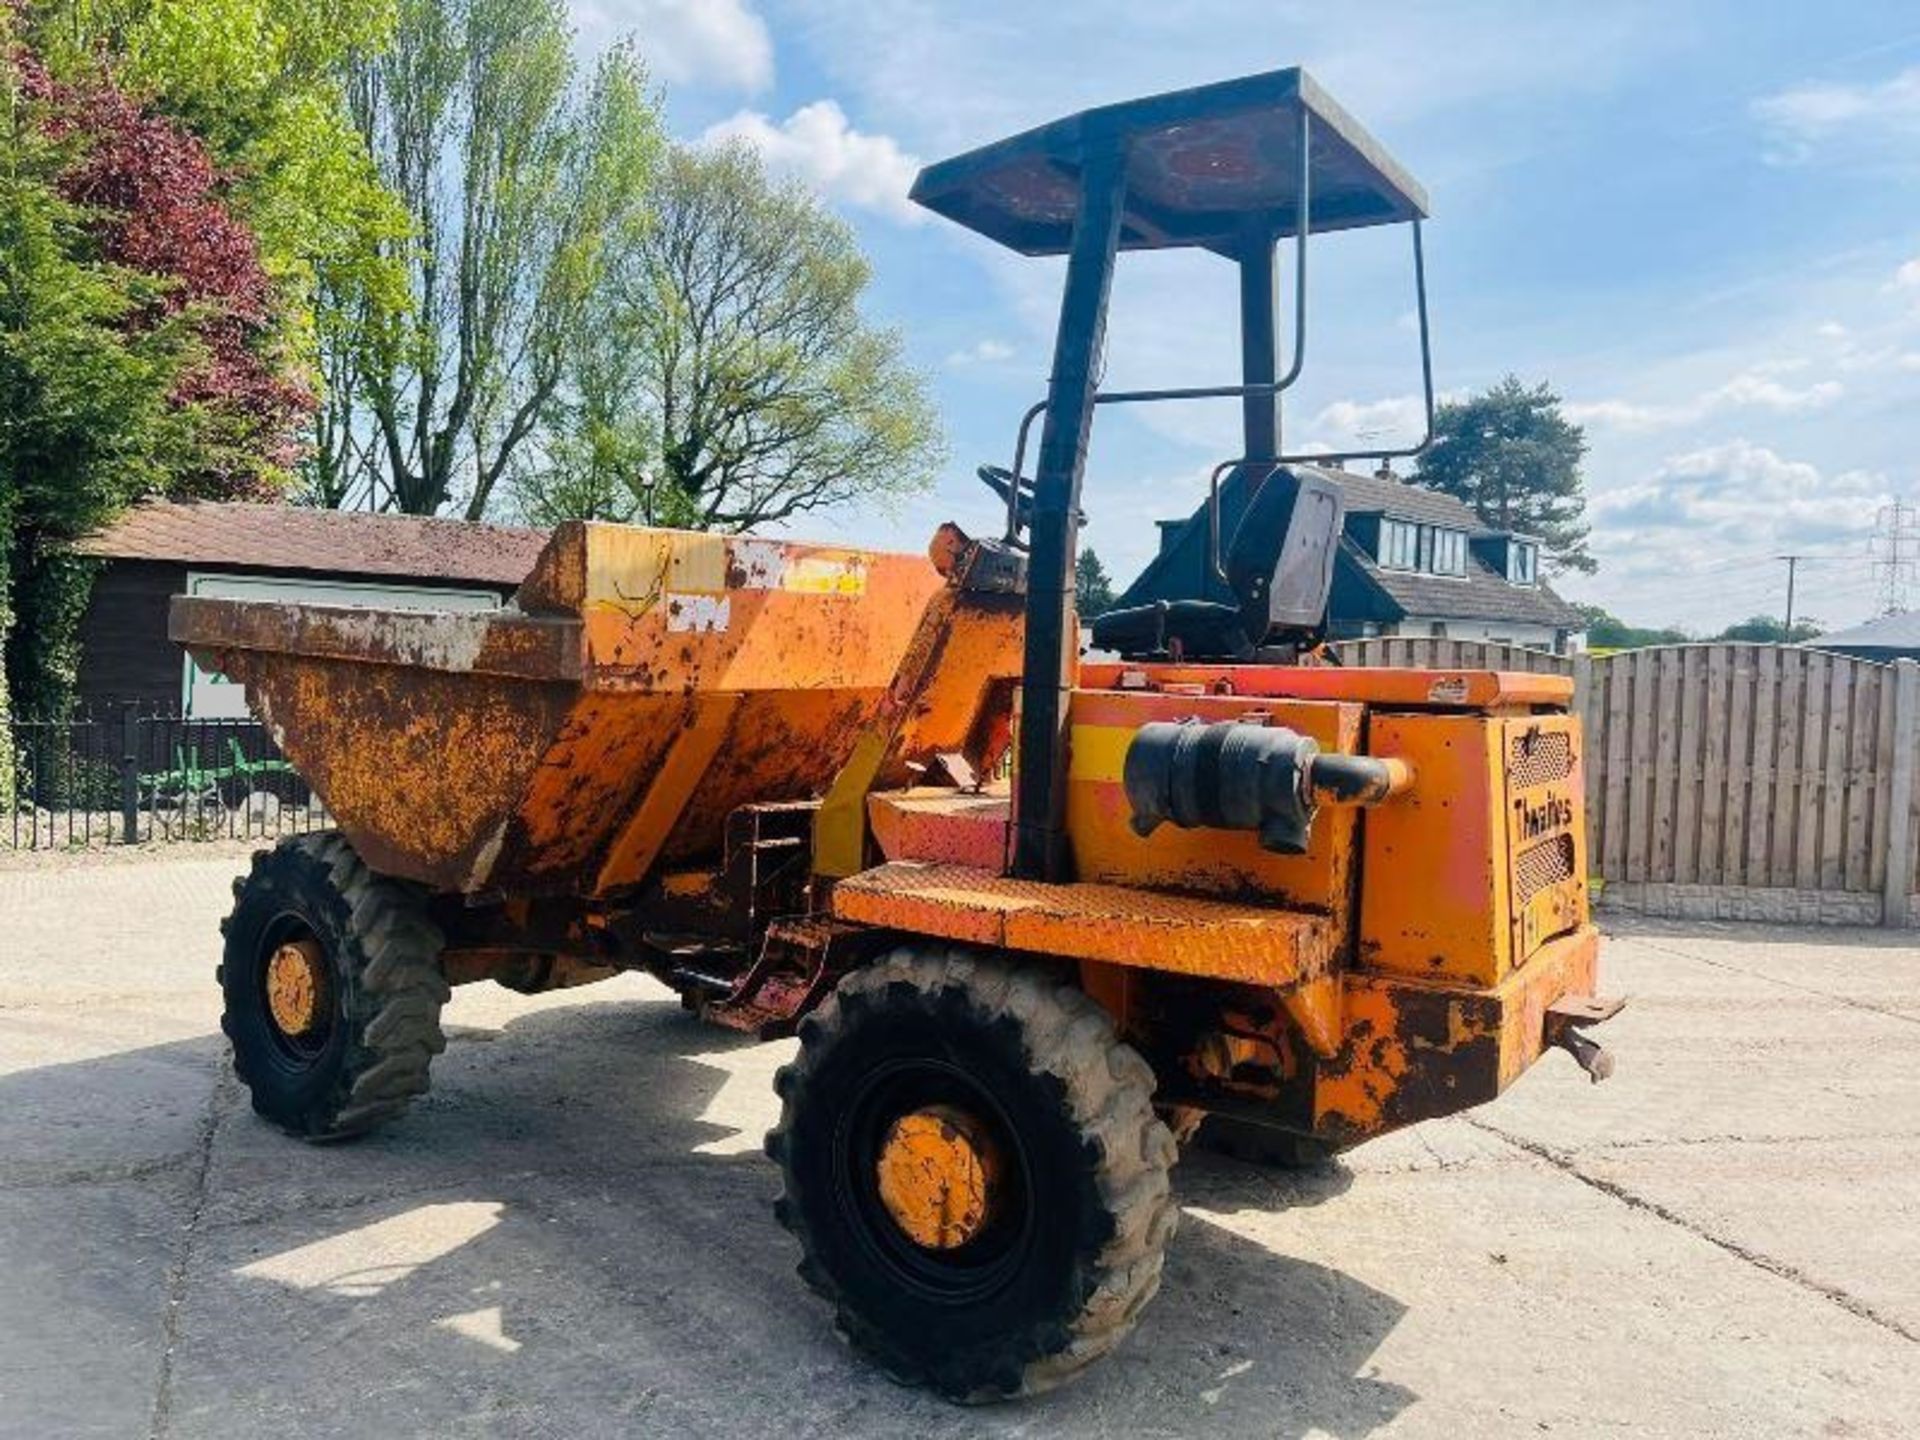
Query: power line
point(1741, 590)
point(1794, 562)
point(1714, 582)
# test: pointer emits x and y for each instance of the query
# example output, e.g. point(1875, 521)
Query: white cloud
point(1695, 538)
point(983, 352)
point(1907, 277)
point(1874, 359)
point(1769, 394)
point(722, 43)
point(1392, 424)
point(818, 144)
point(1751, 390)
point(1615, 414)
point(970, 72)
point(1736, 498)
point(1801, 117)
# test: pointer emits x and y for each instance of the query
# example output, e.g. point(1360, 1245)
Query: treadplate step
point(1117, 924)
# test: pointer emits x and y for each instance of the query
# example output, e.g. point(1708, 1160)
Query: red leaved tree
point(154, 197)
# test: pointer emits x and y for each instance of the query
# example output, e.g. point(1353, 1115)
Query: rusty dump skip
point(643, 685)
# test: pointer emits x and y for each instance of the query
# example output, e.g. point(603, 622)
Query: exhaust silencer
point(1233, 775)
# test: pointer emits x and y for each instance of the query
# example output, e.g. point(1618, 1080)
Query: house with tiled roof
point(1411, 562)
point(1417, 562)
point(235, 551)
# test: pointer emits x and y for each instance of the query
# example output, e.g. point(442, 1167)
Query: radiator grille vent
point(1539, 757)
point(1545, 864)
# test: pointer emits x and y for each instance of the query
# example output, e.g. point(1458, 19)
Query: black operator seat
point(1279, 565)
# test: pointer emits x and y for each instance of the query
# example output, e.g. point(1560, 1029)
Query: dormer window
point(1523, 563)
point(1431, 548)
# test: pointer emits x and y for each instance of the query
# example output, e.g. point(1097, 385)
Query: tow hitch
point(1571, 1011)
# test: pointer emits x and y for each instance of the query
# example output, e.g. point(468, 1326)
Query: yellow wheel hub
point(297, 987)
point(938, 1172)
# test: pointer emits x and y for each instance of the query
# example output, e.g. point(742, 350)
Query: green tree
point(1092, 586)
point(1512, 456)
point(598, 459)
point(181, 180)
point(264, 84)
point(1766, 629)
point(87, 419)
point(736, 320)
point(1606, 631)
point(519, 183)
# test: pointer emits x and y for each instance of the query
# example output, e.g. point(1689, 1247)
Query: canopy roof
point(1202, 164)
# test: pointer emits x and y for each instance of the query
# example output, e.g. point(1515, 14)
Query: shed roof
point(1899, 631)
point(326, 542)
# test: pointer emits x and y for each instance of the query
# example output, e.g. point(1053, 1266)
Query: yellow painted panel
point(1210, 862)
point(1434, 882)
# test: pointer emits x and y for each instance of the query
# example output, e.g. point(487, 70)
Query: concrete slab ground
point(571, 1237)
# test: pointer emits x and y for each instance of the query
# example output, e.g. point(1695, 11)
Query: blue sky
point(1699, 222)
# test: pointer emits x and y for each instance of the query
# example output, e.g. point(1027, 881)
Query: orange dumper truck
point(1034, 916)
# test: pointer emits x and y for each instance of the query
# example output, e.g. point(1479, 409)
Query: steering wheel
point(999, 479)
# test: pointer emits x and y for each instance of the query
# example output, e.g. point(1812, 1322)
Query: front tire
point(974, 1171)
point(332, 987)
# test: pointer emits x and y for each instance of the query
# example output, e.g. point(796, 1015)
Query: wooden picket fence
point(1735, 781)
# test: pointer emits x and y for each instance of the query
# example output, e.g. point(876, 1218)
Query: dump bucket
point(641, 685)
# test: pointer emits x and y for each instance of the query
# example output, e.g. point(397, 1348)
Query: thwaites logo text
point(1542, 815)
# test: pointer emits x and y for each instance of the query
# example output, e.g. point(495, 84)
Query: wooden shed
point(335, 557)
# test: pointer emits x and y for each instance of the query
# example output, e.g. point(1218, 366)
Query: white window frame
point(1445, 552)
point(1523, 563)
point(1399, 545)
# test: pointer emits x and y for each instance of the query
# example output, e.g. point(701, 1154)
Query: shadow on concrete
point(572, 1236)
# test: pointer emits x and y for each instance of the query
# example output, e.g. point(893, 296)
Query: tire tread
point(1109, 1088)
point(395, 988)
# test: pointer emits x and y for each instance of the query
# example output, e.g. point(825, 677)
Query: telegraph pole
point(1793, 565)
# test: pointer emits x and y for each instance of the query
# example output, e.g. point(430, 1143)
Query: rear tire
point(1068, 1248)
point(351, 1047)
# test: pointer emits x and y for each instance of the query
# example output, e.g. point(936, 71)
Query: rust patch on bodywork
point(515, 751)
point(1415, 1050)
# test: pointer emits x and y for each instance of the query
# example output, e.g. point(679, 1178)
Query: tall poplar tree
point(518, 182)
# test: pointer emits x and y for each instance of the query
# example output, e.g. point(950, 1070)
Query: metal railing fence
point(136, 774)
